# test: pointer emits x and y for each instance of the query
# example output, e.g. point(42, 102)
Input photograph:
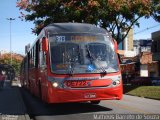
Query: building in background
point(125, 48)
point(127, 44)
point(150, 55)
point(156, 47)
point(148, 67)
point(146, 50)
point(142, 45)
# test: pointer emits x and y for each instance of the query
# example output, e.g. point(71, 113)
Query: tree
point(16, 61)
point(116, 16)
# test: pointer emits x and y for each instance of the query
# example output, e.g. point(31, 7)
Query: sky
point(21, 33)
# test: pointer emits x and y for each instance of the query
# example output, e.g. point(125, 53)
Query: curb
point(14, 117)
point(27, 117)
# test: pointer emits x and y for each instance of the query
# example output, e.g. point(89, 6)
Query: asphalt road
point(108, 109)
point(12, 106)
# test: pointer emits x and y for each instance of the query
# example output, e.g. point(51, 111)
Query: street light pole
point(10, 21)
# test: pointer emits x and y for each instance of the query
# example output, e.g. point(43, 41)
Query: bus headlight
point(55, 84)
point(116, 82)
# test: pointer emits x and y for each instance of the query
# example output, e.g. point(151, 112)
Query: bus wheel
point(95, 102)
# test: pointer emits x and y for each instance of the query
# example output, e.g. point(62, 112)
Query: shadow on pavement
point(128, 88)
point(36, 107)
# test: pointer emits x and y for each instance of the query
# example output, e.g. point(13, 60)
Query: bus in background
point(73, 62)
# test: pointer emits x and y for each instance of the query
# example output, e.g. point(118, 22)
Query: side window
point(37, 54)
point(34, 56)
point(30, 59)
point(42, 56)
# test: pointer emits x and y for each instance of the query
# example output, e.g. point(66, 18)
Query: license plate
point(90, 95)
point(76, 83)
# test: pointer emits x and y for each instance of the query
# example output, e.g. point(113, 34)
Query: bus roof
point(74, 28)
point(57, 28)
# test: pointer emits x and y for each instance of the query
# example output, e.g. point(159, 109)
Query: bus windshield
point(73, 53)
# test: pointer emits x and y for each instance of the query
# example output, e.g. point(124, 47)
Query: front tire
point(95, 102)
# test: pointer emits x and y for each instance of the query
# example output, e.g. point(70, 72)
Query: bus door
point(32, 70)
point(36, 71)
point(42, 75)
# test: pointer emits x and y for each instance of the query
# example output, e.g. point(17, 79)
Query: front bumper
point(81, 95)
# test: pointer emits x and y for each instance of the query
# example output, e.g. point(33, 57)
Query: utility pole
point(10, 21)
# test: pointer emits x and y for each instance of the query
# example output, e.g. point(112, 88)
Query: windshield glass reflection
point(93, 54)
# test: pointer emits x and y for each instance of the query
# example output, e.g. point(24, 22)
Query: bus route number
point(60, 39)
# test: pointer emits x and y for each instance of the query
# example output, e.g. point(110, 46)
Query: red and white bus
point(73, 62)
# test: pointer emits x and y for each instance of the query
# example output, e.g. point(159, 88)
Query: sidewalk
point(12, 106)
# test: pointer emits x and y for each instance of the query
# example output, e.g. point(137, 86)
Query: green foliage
point(143, 91)
point(114, 15)
point(16, 61)
point(16, 65)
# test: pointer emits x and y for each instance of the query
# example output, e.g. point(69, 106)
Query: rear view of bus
point(83, 64)
point(73, 62)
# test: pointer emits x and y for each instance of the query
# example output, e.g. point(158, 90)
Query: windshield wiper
point(72, 66)
point(92, 59)
point(73, 61)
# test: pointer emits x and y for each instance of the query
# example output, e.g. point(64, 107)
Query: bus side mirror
point(115, 45)
point(44, 44)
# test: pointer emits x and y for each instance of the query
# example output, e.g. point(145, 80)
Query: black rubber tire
point(95, 102)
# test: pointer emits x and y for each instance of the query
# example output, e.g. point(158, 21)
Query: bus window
point(65, 53)
point(42, 56)
point(72, 53)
